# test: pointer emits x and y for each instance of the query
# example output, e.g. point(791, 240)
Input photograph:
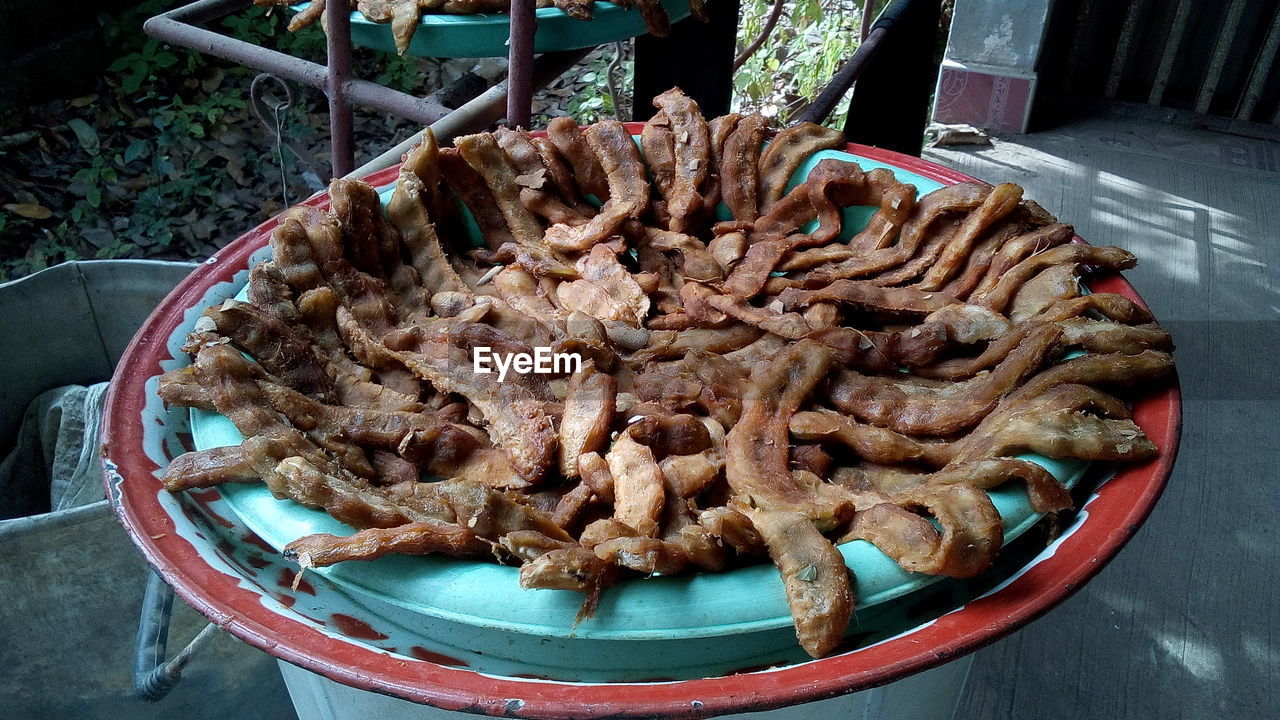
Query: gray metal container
point(70, 582)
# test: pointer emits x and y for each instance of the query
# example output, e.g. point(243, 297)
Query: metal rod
point(338, 55)
point(1261, 67)
point(830, 97)
point(478, 113)
point(203, 11)
point(1171, 45)
point(180, 661)
point(177, 27)
point(1226, 34)
point(524, 25)
point(868, 16)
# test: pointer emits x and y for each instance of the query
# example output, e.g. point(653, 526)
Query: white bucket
point(930, 695)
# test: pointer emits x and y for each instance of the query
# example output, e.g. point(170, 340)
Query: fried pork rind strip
point(830, 177)
point(1118, 336)
point(656, 20)
point(471, 190)
point(481, 152)
point(601, 266)
point(971, 530)
point(868, 296)
point(638, 488)
point(1064, 433)
point(214, 466)
point(576, 9)
point(882, 352)
point(1043, 489)
point(410, 212)
point(876, 444)
point(417, 538)
point(739, 168)
point(718, 130)
point(786, 152)
point(690, 155)
point(278, 348)
point(1003, 200)
point(306, 17)
point(922, 411)
point(628, 190)
point(404, 22)
point(1018, 249)
point(516, 412)
point(757, 449)
point(569, 140)
point(658, 146)
point(962, 197)
point(814, 575)
point(1109, 258)
point(589, 406)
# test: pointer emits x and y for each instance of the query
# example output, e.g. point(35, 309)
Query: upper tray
point(476, 36)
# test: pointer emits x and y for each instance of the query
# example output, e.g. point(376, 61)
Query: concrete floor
point(1182, 623)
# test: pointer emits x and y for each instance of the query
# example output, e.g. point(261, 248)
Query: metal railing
point(183, 26)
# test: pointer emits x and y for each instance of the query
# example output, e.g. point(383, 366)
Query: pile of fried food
point(404, 15)
point(756, 379)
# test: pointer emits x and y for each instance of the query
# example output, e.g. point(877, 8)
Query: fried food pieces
point(404, 16)
point(757, 378)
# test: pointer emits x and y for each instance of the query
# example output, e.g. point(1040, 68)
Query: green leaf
point(132, 82)
point(94, 196)
point(134, 151)
point(85, 134)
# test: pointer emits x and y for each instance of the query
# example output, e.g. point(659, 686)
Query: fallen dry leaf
point(31, 211)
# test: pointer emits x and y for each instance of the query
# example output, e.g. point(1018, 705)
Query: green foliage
point(594, 102)
point(405, 72)
point(807, 46)
point(157, 151)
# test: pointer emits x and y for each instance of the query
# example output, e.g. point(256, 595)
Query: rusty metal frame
point(182, 26)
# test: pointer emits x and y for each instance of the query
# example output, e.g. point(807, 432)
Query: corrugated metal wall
point(1195, 56)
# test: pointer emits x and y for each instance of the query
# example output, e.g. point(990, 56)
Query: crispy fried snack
point(768, 386)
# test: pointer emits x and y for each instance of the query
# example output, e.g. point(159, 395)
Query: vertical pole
point(890, 105)
point(696, 57)
point(338, 49)
point(868, 16)
point(524, 24)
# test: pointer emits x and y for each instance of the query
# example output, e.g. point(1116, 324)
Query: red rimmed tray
point(1107, 522)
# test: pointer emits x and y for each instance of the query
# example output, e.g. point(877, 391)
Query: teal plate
point(741, 601)
point(476, 36)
